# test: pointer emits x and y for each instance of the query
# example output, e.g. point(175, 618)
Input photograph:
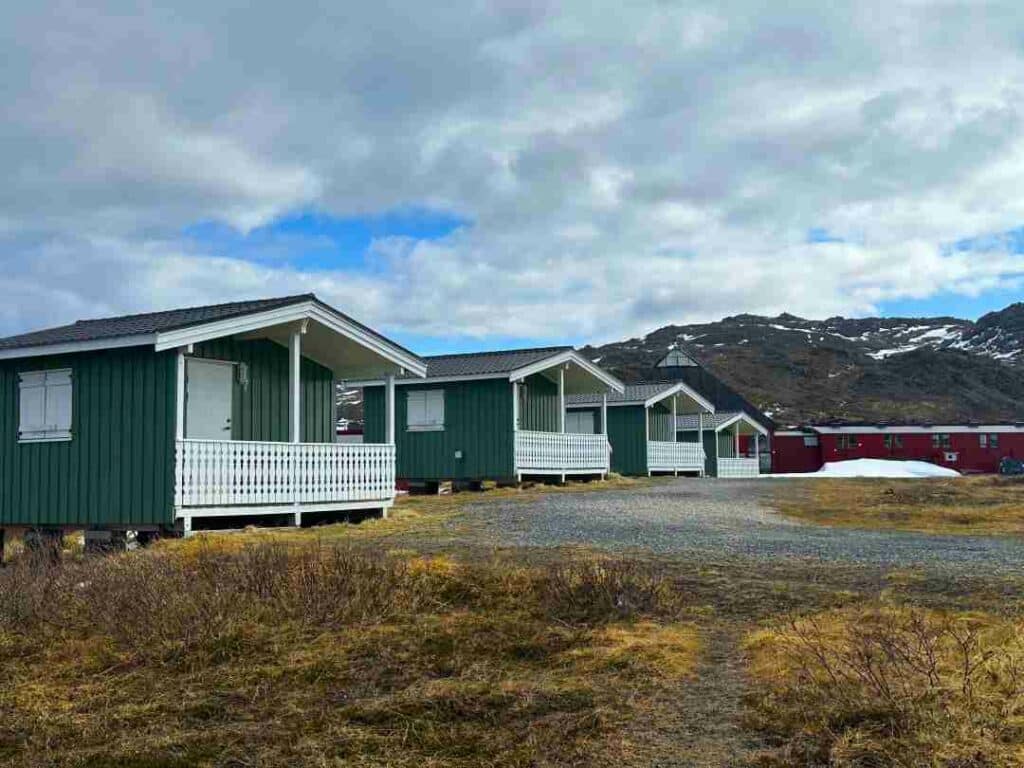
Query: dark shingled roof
point(633, 393)
point(689, 423)
point(717, 392)
point(484, 363)
point(150, 322)
point(169, 320)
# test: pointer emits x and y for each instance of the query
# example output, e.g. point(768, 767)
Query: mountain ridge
point(878, 368)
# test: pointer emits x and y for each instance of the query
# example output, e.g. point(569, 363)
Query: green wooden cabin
point(489, 416)
point(640, 427)
point(150, 422)
point(733, 443)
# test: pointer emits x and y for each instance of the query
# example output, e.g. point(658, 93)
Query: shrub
point(891, 686)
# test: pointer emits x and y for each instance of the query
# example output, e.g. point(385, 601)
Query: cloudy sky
point(469, 174)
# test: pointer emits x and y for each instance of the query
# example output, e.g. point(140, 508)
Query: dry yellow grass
point(966, 505)
point(276, 653)
point(891, 686)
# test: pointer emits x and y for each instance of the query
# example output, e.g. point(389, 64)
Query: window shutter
point(32, 405)
point(44, 405)
point(58, 401)
point(435, 407)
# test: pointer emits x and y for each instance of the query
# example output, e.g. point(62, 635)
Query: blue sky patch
point(314, 241)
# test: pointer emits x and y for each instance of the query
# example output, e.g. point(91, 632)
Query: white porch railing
point(560, 453)
point(227, 473)
point(738, 467)
point(664, 456)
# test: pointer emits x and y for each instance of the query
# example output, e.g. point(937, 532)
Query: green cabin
point(489, 416)
point(732, 443)
point(151, 422)
point(641, 427)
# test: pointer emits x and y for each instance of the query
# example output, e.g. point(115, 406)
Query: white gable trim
point(291, 313)
point(363, 383)
point(78, 346)
point(676, 389)
point(742, 417)
point(569, 356)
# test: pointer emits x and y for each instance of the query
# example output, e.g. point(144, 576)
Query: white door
point(208, 400)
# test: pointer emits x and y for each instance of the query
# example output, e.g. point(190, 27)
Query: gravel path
point(721, 518)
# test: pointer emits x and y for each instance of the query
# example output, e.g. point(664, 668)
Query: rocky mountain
point(798, 370)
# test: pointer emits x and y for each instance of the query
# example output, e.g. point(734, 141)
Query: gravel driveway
point(721, 518)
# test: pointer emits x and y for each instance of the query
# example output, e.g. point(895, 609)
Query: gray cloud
point(622, 165)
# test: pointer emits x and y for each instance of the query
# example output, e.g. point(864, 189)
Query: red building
point(964, 447)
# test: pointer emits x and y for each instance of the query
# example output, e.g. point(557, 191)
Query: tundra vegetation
point(983, 505)
point(390, 644)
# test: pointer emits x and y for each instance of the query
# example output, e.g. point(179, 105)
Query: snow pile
point(878, 468)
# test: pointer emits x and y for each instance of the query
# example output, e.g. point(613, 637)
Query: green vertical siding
point(260, 410)
point(478, 422)
point(627, 437)
point(118, 468)
point(538, 404)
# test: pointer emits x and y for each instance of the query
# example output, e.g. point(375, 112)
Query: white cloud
point(621, 166)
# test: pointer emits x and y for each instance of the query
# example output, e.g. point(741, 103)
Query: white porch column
point(515, 406)
point(736, 441)
point(389, 407)
point(179, 398)
point(294, 386)
point(604, 414)
point(757, 450)
point(675, 427)
point(561, 399)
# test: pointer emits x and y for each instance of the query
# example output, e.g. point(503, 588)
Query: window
point(843, 442)
point(940, 440)
point(993, 440)
point(425, 410)
point(893, 441)
point(810, 441)
point(44, 406)
point(983, 441)
point(579, 422)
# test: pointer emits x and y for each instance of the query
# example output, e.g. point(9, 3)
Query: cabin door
point(208, 391)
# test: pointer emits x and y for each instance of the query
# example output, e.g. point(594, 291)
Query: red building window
point(893, 441)
point(844, 442)
point(940, 440)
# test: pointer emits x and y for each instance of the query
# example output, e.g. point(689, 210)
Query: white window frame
point(573, 418)
point(56, 386)
point(431, 404)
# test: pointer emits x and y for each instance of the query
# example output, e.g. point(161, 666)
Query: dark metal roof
point(689, 423)
point(717, 392)
point(169, 320)
point(633, 393)
point(488, 363)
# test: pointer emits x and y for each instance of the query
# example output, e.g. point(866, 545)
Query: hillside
point(932, 369)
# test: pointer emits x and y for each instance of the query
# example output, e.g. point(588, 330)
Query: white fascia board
point(362, 383)
point(385, 349)
point(742, 417)
point(597, 404)
point(291, 313)
point(569, 356)
point(910, 430)
point(675, 390)
point(78, 346)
